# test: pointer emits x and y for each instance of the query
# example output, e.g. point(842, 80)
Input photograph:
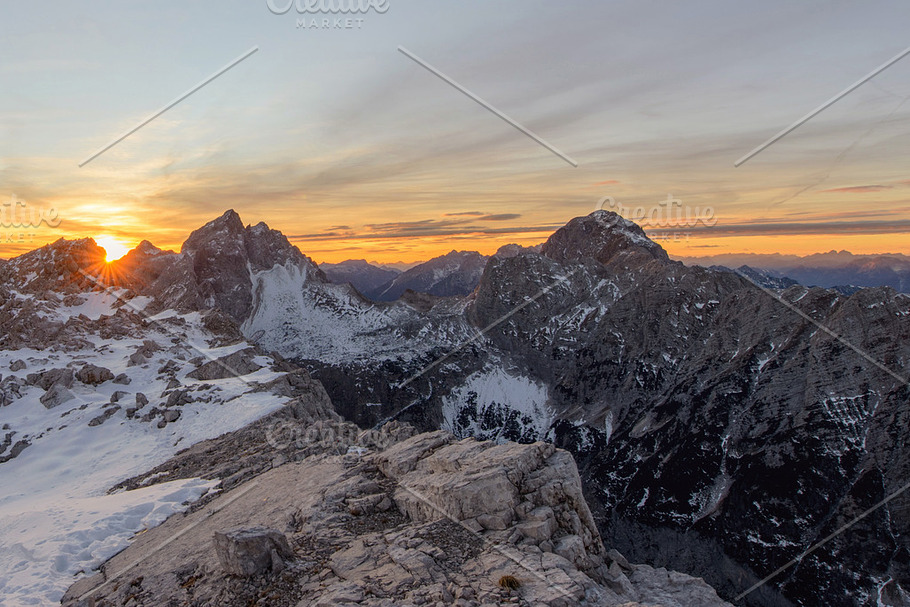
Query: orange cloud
point(860, 189)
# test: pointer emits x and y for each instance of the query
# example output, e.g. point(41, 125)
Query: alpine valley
point(720, 427)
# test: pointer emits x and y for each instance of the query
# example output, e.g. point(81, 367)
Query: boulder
point(253, 551)
point(46, 379)
point(55, 396)
point(123, 379)
point(94, 375)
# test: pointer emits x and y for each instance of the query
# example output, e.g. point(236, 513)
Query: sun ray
point(113, 248)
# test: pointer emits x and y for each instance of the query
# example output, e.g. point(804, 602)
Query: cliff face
point(427, 520)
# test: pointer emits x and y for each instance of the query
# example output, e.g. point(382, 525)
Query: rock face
point(399, 527)
point(253, 551)
point(530, 494)
point(223, 252)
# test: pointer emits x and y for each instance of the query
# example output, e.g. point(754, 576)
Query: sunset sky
point(354, 151)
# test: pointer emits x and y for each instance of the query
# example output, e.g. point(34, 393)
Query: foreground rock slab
point(429, 521)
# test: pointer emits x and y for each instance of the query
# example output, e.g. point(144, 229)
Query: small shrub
point(509, 581)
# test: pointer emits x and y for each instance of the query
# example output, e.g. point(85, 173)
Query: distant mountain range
point(834, 269)
point(454, 274)
point(363, 276)
point(458, 273)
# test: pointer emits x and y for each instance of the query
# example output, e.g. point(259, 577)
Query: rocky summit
point(428, 520)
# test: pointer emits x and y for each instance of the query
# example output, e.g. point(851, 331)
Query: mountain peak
point(604, 236)
point(61, 265)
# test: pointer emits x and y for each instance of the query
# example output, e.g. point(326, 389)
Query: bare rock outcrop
point(428, 520)
point(253, 551)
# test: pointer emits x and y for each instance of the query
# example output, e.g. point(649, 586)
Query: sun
point(112, 247)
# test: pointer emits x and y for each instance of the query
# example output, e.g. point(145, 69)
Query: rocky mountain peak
point(147, 249)
point(60, 266)
point(604, 236)
point(221, 232)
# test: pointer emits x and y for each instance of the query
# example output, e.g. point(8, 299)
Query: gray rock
point(106, 415)
point(253, 551)
point(234, 365)
point(94, 375)
point(123, 379)
point(178, 398)
point(17, 365)
point(51, 377)
point(56, 396)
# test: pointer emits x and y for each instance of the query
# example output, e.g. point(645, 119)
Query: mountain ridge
point(717, 427)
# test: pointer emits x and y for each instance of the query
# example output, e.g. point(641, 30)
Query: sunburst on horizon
point(114, 248)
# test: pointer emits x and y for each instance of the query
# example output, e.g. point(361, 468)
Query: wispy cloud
point(859, 189)
point(897, 226)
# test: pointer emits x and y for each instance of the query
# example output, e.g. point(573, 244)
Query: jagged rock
point(178, 398)
point(171, 415)
point(17, 365)
point(169, 368)
point(106, 415)
point(122, 379)
point(18, 448)
point(117, 395)
point(94, 375)
point(55, 396)
point(253, 551)
point(52, 377)
point(341, 546)
point(141, 400)
point(238, 364)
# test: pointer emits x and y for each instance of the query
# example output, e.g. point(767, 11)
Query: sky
point(353, 150)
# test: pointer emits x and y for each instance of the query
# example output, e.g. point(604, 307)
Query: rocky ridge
point(427, 520)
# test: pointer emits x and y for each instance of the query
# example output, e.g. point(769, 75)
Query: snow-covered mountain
point(95, 388)
point(720, 428)
point(363, 276)
point(452, 274)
